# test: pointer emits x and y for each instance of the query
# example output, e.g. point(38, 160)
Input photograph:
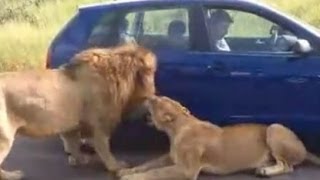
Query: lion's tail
point(313, 158)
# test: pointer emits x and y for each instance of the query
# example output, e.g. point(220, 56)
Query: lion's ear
point(70, 69)
point(150, 61)
point(146, 80)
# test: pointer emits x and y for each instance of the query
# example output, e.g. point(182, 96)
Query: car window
point(161, 28)
point(131, 23)
point(234, 30)
point(106, 32)
point(152, 28)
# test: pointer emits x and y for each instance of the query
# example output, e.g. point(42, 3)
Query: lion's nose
point(146, 103)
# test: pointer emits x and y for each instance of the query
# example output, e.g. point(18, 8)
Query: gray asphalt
point(43, 159)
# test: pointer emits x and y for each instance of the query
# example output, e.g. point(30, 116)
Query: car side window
point(234, 30)
point(152, 28)
point(161, 28)
point(106, 32)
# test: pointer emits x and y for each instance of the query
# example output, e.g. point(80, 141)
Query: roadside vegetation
point(28, 26)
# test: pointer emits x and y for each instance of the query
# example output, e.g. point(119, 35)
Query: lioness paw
point(123, 164)
point(132, 177)
point(118, 166)
point(261, 172)
point(124, 172)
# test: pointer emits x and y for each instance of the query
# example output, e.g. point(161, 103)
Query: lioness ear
point(167, 118)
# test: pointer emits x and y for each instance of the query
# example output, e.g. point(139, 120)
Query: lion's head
point(126, 72)
point(163, 111)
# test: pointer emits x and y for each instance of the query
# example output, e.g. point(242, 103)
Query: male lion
point(94, 89)
point(201, 146)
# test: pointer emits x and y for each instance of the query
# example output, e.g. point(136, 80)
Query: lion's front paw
point(83, 160)
point(11, 175)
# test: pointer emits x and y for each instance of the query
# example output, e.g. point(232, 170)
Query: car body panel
point(221, 87)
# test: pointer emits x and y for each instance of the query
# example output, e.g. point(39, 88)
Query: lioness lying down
point(201, 146)
point(94, 89)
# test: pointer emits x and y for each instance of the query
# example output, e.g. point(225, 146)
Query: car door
point(182, 70)
point(265, 80)
point(253, 82)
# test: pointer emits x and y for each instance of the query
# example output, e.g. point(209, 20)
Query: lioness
point(94, 89)
point(201, 146)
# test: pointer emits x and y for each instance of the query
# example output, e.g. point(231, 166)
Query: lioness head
point(163, 111)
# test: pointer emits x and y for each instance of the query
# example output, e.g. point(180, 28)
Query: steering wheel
point(281, 40)
point(274, 32)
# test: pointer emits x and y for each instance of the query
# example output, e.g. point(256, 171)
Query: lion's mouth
point(150, 123)
point(149, 119)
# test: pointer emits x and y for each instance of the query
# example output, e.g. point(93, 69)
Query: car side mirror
point(302, 46)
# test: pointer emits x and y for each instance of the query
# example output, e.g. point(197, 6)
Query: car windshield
point(296, 18)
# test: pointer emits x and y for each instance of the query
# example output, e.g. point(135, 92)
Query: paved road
point(44, 160)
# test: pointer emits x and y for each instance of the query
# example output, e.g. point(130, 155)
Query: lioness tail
point(313, 158)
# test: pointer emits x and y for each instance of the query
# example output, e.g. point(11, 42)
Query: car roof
point(99, 5)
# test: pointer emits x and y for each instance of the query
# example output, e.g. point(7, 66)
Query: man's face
point(219, 29)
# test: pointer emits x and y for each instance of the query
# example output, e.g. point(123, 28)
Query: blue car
point(264, 67)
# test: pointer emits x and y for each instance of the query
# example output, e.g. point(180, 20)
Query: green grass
point(24, 45)
point(307, 10)
point(24, 40)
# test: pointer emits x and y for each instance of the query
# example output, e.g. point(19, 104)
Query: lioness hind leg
point(279, 168)
point(286, 149)
point(71, 142)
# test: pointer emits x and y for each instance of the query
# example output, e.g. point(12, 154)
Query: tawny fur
point(94, 90)
point(199, 146)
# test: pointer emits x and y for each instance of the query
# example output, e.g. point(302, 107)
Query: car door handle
point(184, 71)
point(217, 67)
point(296, 80)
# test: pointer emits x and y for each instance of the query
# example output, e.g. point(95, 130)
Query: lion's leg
point(86, 139)
point(7, 133)
point(66, 144)
point(101, 143)
point(156, 163)
point(286, 149)
point(168, 172)
point(71, 142)
point(5, 147)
